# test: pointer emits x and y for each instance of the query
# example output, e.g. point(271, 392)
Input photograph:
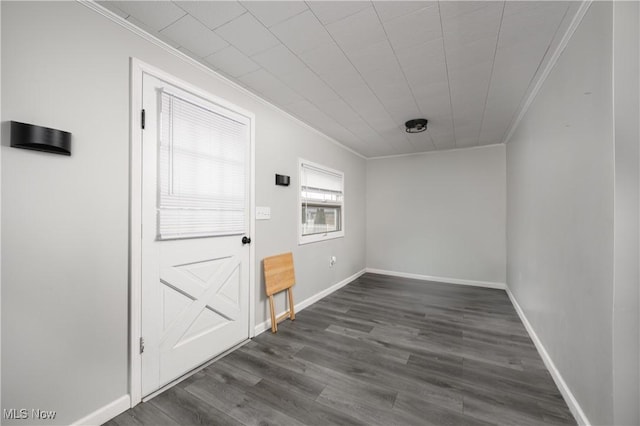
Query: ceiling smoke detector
point(416, 125)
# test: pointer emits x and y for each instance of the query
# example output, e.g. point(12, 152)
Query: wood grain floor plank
point(235, 402)
point(142, 414)
point(300, 407)
point(380, 351)
point(181, 406)
point(435, 414)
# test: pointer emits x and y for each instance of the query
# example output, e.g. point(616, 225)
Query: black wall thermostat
point(282, 180)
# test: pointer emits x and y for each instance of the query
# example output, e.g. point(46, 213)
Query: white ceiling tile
point(494, 133)
point(270, 87)
point(400, 141)
point(339, 111)
point(247, 34)
point(522, 20)
point(388, 83)
point(274, 12)
point(385, 73)
point(326, 58)
point(388, 10)
point(421, 141)
point(512, 77)
point(359, 95)
point(232, 62)
point(358, 31)
point(479, 21)
point(444, 141)
point(310, 86)
point(397, 135)
point(361, 129)
point(402, 109)
point(363, 100)
point(342, 79)
point(310, 113)
point(373, 56)
point(383, 125)
point(432, 76)
point(530, 25)
point(470, 81)
point(313, 116)
point(458, 9)
point(435, 105)
point(156, 17)
point(187, 52)
point(153, 32)
point(343, 135)
point(440, 127)
point(193, 35)
point(302, 33)
point(279, 60)
point(414, 29)
point(422, 55)
point(466, 141)
point(112, 7)
point(472, 53)
point(332, 11)
point(212, 13)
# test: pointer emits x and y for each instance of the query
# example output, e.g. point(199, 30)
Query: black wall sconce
point(282, 180)
point(37, 138)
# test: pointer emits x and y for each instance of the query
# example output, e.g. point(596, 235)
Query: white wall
point(280, 233)
point(65, 219)
point(560, 214)
point(440, 214)
point(626, 353)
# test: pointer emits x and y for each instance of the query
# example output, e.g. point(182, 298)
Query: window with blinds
point(321, 203)
point(201, 170)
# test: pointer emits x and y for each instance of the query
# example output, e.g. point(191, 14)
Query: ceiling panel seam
point(446, 65)
point(493, 65)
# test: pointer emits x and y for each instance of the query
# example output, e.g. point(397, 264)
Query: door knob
point(246, 240)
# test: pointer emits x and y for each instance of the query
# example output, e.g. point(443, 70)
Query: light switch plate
point(263, 213)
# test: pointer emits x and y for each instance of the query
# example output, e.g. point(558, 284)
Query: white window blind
point(321, 196)
point(201, 171)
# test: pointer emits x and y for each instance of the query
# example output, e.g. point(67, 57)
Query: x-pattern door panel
point(194, 290)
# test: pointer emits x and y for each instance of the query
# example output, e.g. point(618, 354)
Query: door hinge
point(141, 344)
point(142, 119)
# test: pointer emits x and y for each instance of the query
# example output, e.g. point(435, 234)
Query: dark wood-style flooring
point(380, 351)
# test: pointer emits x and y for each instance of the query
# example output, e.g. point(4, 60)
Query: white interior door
point(195, 212)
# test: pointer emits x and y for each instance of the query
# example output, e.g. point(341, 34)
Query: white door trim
point(135, 212)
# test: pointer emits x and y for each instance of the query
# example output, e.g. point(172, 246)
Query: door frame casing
point(137, 70)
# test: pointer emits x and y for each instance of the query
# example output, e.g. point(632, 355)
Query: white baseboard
point(266, 325)
point(109, 411)
point(568, 396)
point(487, 284)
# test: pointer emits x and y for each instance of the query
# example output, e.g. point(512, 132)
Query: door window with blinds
point(201, 170)
point(321, 203)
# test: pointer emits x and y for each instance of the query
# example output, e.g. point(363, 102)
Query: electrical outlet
point(332, 260)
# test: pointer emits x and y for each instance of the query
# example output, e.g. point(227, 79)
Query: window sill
point(308, 239)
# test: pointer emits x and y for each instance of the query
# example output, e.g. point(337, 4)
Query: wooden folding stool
point(279, 276)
